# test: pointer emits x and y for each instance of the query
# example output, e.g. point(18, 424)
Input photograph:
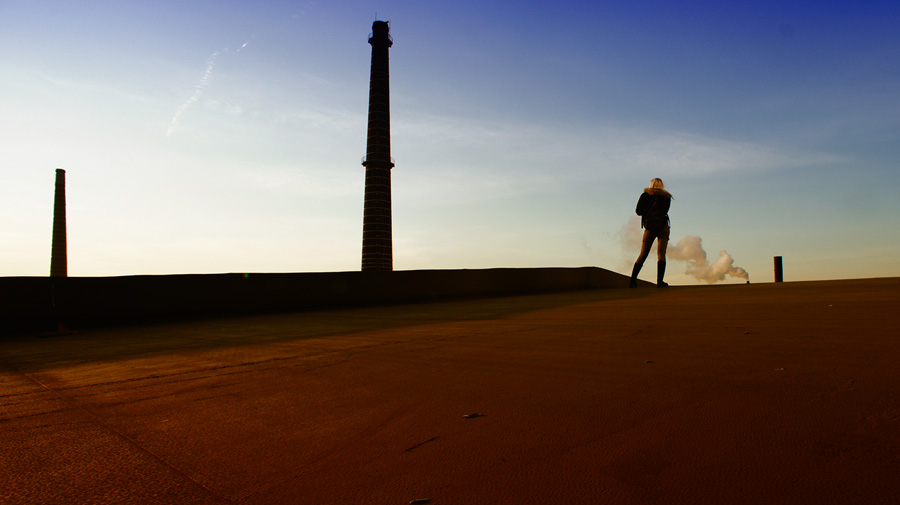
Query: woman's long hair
point(657, 187)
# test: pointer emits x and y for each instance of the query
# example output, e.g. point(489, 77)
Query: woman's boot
point(634, 273)
point(660, 273)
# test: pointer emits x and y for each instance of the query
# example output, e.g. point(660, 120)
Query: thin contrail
point(198, 89)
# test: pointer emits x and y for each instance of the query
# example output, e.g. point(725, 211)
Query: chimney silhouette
point(377, 250)
point(58, 261)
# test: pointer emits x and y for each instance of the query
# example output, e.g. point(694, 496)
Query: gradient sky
point(225, 136)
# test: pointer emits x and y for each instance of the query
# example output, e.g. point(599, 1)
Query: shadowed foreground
point(764, 393)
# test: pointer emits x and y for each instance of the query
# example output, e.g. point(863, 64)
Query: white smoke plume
point(198, 89)
point(690, 250)
point(630, 236)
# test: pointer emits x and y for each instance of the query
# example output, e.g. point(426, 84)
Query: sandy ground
point(762, 393)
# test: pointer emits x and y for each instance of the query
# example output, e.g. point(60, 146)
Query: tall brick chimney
point(58, 260)
point(377, 250)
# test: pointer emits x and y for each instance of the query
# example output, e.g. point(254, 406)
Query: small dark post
point(779, 271)
point(58, 258)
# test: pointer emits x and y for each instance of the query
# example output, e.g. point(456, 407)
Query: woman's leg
point(646, 244)
point(663, 243)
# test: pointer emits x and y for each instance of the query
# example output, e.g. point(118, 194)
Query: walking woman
point(653, 207)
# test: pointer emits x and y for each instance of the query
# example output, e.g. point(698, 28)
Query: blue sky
point(226, 136)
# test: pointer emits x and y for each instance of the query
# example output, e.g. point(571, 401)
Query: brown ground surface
point(763, 393)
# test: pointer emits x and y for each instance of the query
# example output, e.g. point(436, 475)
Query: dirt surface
point(762, 393)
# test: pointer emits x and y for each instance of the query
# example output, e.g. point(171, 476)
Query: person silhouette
point(653, 207)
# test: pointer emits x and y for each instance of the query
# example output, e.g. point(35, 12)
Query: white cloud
point(467, 159)
point(692, 155)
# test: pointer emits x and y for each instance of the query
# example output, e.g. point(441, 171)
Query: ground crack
point(420, 444)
